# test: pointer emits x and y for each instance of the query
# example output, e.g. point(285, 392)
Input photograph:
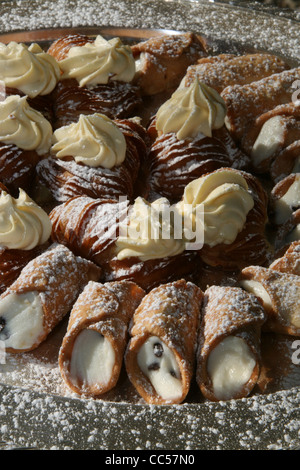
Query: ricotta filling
point(93, 359)
point(158, 363)
point(21, 320)
point(230, 366)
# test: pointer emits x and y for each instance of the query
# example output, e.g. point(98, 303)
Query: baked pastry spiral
point(65, 178)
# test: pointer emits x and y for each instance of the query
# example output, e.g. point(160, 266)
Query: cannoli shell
point(58, 276)
point(289, 262)
point(107, 309)
point(228, 311)
point(170, 312)
point(284, 230)
point(284, 292)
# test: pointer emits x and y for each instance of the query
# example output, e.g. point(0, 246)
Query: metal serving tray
point(36, 411)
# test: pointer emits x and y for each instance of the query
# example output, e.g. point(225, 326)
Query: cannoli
point(287, 232)
point(96, 78)
point(161, 62)
point(279, 294)
point(287, 161)
point(235, 216)
point(272, 134)
point(24, 140)
point(91, 355)
point(41, 296)
point(289, 262)
point(25, 230)
point(224, 70)
point(160, 355)
point(228, 356)
point(246, 102)
point(109, 165)
point(285, 198)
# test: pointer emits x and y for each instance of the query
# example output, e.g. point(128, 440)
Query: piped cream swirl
point(149, 233)
point(98, 62)
point(23, 224)
point(95, 140)
point(193, 110)
point(28, 69)
point(226, 201)
point(23, 126)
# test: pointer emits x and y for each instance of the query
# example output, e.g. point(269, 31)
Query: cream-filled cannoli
point(279, 294)
point(91, 355)
point(228, 356)
point(289, 262)
point(160, 355)
point(41, 296)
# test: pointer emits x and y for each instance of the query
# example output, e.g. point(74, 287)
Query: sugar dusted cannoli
point(279, 294)
point(160, 355)
point(285, 198)
point(161, 61)
point(41, 296)
point(289, 262)
point(225, 70)
point(228, 357)
point(91, 355)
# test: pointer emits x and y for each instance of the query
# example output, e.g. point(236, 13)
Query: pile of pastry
point(151, 192)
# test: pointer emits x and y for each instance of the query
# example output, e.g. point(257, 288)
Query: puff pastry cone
point(162, 61)
point(41, 296)
point(279, 294)
point(228, 354)
point(29, 71)
point(160, 355)
point(75, 94)
point(24, 141)
point(92, 350)
point(289, 262)
point(66, 177)
point(25, 231)
point(272, 140)
point(91, 228)
point(250, 243)
point(189, 139)
point(225, 70)
point(245, 103)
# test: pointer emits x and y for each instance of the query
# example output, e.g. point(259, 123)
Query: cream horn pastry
point(94, 157)
point(228, 355)
point(160, 355)
point(92, 351)
point(88, 227)
point(25, 138)
point(96, 77)
point(234, 207)
point(29, 71)
point(246, 102)
point(189, 140)
point(161, 61)
point(289, 262)
point(224, 70)
point(41, 296)
point(279, 294)
point(25, 230)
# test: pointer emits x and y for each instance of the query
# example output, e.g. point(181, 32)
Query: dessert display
point(149, 208)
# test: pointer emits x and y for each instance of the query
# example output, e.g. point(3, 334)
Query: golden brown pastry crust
point(228, 311)
point(289, 262)
point(107, 309)
point(170, 312)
